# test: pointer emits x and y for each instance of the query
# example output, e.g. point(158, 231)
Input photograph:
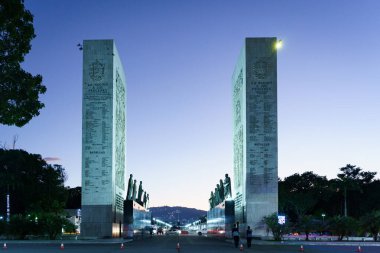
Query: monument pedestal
point(220, 219)
point(137, 219)
point(98, 222)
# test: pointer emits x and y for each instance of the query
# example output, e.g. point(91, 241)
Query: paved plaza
point(167, 244)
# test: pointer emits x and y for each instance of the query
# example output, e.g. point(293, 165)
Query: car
point(184, 232)
point(202, 231)
point(173, 231)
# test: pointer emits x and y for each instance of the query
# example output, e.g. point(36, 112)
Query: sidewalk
point(326, 243)
point(79, 241)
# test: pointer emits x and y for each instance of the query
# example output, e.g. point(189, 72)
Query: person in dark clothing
point(235, 235)
point(249, 236)
point(151, 231)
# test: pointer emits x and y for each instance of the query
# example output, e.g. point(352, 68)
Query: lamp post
point(8, 207)
point(323, 218)
point(178, 211)
point(278, 44)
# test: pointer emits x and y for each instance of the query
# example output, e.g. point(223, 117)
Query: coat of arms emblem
point(97, 71)
point(262, 68)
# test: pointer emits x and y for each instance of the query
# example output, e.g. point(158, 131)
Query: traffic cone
point(178, 247)
point(62, 246)
point(359, 249)
point(301, 248)
point(5, 246)
point(241, 247)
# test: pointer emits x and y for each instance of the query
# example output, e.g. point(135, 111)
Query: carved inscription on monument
point(262, 126)
point(97, 123)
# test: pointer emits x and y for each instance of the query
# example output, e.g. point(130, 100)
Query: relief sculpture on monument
point(130, 187)
point(120, 131)
point(227, 187)
point(134, 190)
point(221, 190)
point(211, 200)
point(139, 194)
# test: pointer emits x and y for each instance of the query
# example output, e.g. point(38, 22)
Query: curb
point(67, 242)
point(258, 242)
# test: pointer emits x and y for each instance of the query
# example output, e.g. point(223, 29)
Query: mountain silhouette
point(173, 214)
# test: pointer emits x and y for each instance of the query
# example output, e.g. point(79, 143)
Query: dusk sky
point(178, 59)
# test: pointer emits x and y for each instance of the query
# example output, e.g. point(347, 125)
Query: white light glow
point(278, 44)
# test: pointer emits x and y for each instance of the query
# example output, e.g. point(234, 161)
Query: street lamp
point(323, 218)
point(8, 206)
point(278, 44)
point(178, 211)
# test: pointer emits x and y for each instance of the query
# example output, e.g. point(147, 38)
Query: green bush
point(371, 223)
point(20, 226)
point(343, 226)
point(277, 230)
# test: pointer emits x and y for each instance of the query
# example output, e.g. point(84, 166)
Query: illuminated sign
point(281, 219)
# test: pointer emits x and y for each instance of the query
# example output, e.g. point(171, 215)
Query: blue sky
point(178, 58)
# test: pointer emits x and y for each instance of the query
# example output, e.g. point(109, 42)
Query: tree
point(20, 90)
point(52, 224)
point(37, 194)
point(352, 178)
point(74, 199)
point(371, 201)
point(302, 194)
point(307, 224)
point(343, 226)
point(278, 230)
point(371, 223)
point(33, 185)
point(21, 225)
point(3, 225)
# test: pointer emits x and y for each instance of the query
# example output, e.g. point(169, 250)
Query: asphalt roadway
point(167, 244)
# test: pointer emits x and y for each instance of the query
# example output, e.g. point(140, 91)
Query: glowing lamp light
point(278, 44)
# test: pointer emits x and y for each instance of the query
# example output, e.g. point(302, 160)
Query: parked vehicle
point(202, 231)
point(173, 231)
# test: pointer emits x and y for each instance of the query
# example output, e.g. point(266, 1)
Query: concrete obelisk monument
point(103, 140)
point(254, 83)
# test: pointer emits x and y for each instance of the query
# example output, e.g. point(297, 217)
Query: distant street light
point(178, 211)
point(8, 206)
point(323, 218)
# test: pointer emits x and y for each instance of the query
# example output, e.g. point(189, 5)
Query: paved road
point(167, 244)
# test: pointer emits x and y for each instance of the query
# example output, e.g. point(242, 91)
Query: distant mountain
point(171, 214)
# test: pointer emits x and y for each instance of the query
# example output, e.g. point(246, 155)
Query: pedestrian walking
point(236, 236)
point(151, 231)
point(249, 236)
